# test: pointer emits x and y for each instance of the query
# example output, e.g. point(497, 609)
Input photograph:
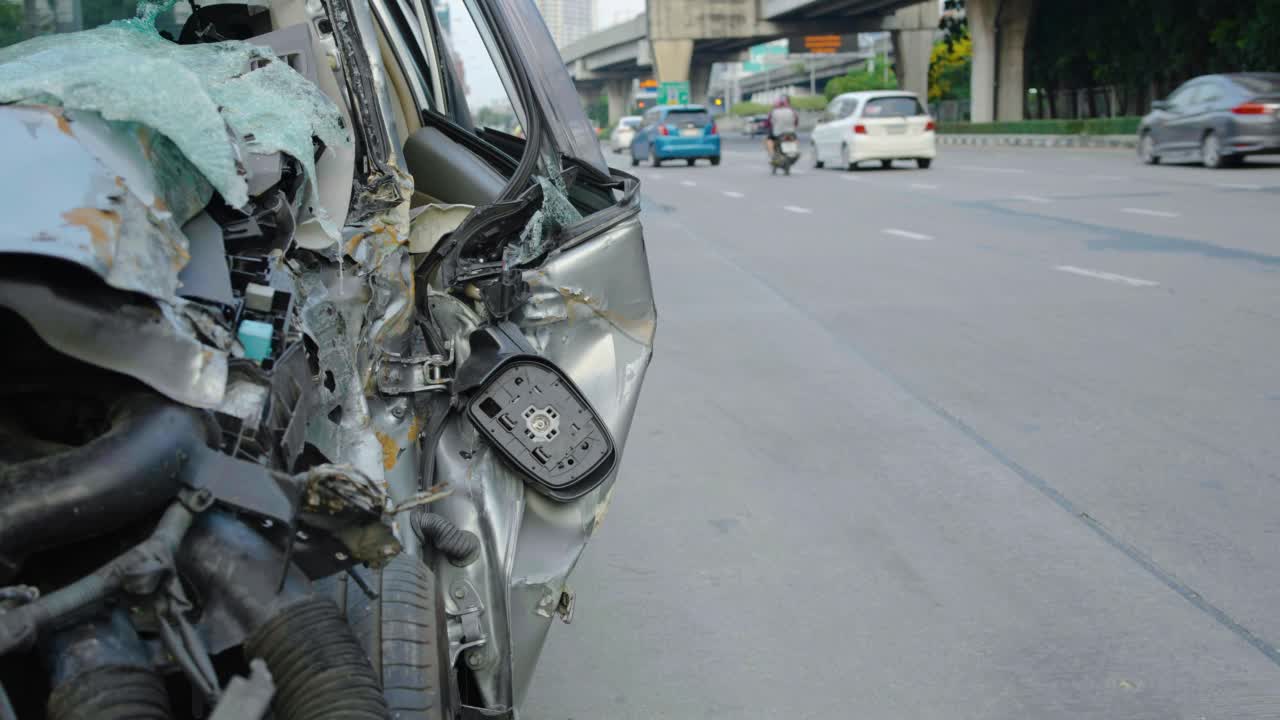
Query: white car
point(624, 133)
point(868, 126)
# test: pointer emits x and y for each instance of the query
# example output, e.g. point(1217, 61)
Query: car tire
point(404, 633)
point(692, 161)
point(846, 161)
point(635, 161)
point(653, 158)
point(817, 162)
point(1211, 151)
point(886, 164)
point(1147, 149)
point(715, 160)
point(924, 163)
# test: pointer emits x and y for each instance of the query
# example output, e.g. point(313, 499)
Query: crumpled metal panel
point(135, 337)
point(107, 218)
point(592, 313)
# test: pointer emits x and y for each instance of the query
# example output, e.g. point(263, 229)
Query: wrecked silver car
point(315, 385)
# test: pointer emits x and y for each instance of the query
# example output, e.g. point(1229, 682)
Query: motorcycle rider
point(783, 119)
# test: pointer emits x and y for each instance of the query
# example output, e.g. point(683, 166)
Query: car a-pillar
point(999, 31)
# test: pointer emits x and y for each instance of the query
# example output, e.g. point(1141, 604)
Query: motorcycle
point(786, 152)
point(304, 414)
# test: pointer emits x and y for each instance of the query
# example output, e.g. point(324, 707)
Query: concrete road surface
point(1000, 439)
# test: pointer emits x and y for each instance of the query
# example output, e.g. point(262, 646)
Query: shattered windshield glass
point(215, 101)
point(32, 18)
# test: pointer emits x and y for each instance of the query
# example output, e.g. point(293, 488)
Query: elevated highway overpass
point(679, 40)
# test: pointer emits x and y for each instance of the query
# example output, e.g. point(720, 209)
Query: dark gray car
point(1214, 119)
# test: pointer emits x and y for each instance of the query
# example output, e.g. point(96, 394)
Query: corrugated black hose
point(320, 670)
point(459, 546)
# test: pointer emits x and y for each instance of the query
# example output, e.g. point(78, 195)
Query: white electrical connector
point(259, 298)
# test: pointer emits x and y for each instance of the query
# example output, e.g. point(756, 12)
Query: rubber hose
point(111, 693)
point(101, 669)
point(318, 666)
point(103, 486)
point(460, 546)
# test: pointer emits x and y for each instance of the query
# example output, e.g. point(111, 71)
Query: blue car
point(676, 132)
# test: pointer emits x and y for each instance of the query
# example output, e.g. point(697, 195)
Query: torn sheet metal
point(213, 101)
point(134, 337)
point(109, 219)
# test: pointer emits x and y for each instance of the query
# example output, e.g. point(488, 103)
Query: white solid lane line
point(1033, 199)
point(1239, 186)
point(688, 183)
point(1112, 178)
point(983, 168)
point(924, 186)
point(1151, 213)
point(1110, 277)
point(794, 209)
point(732, 194)
point(853, 178)
point(906, 234)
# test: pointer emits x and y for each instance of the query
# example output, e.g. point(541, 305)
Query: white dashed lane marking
point(799, 210)
point(1109, 277)
point(1033, 199)
point(688, 183)
point(906, 234)
point(732, 194)
point(924, 186)
point(983, 168)
point(1239, 186)
point(1151, 213)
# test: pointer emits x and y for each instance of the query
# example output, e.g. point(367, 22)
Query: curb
point(1042, 141)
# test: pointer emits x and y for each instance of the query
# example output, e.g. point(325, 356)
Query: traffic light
point(718, 101)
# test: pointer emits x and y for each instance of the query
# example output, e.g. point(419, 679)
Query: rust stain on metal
point(103, 227)
point(415, 426)
point(390, 449)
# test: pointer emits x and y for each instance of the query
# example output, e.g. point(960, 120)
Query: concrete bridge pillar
point(912, 30)
point(672, 59)
point(619, 93)
point(699, 83)
point(999, 30)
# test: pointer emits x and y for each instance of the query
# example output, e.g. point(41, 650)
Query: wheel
point(886, 164)
point(845, 160)
point(653, 158)
point(404, 633)
point(817, 162)
point(1147, 149)
point(635, 161)
point(1211, 152)
point(924, 163)
point(786, 170)
point(715, 160)
point(692, 162)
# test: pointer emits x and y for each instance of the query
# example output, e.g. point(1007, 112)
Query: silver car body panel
point(592, 313)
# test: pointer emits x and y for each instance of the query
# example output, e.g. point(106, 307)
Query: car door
point(1177, 128)
point(822, 130)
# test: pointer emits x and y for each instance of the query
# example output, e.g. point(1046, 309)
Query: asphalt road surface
point(1000, 439)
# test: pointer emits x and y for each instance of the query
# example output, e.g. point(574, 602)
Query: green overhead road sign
point(673, 93)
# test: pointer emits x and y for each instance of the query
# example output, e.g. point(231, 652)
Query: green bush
point(1095, 126)
point(809, 102)
point(744, 109)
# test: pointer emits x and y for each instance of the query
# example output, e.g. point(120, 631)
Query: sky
point(612, 12)
point(482, 80)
